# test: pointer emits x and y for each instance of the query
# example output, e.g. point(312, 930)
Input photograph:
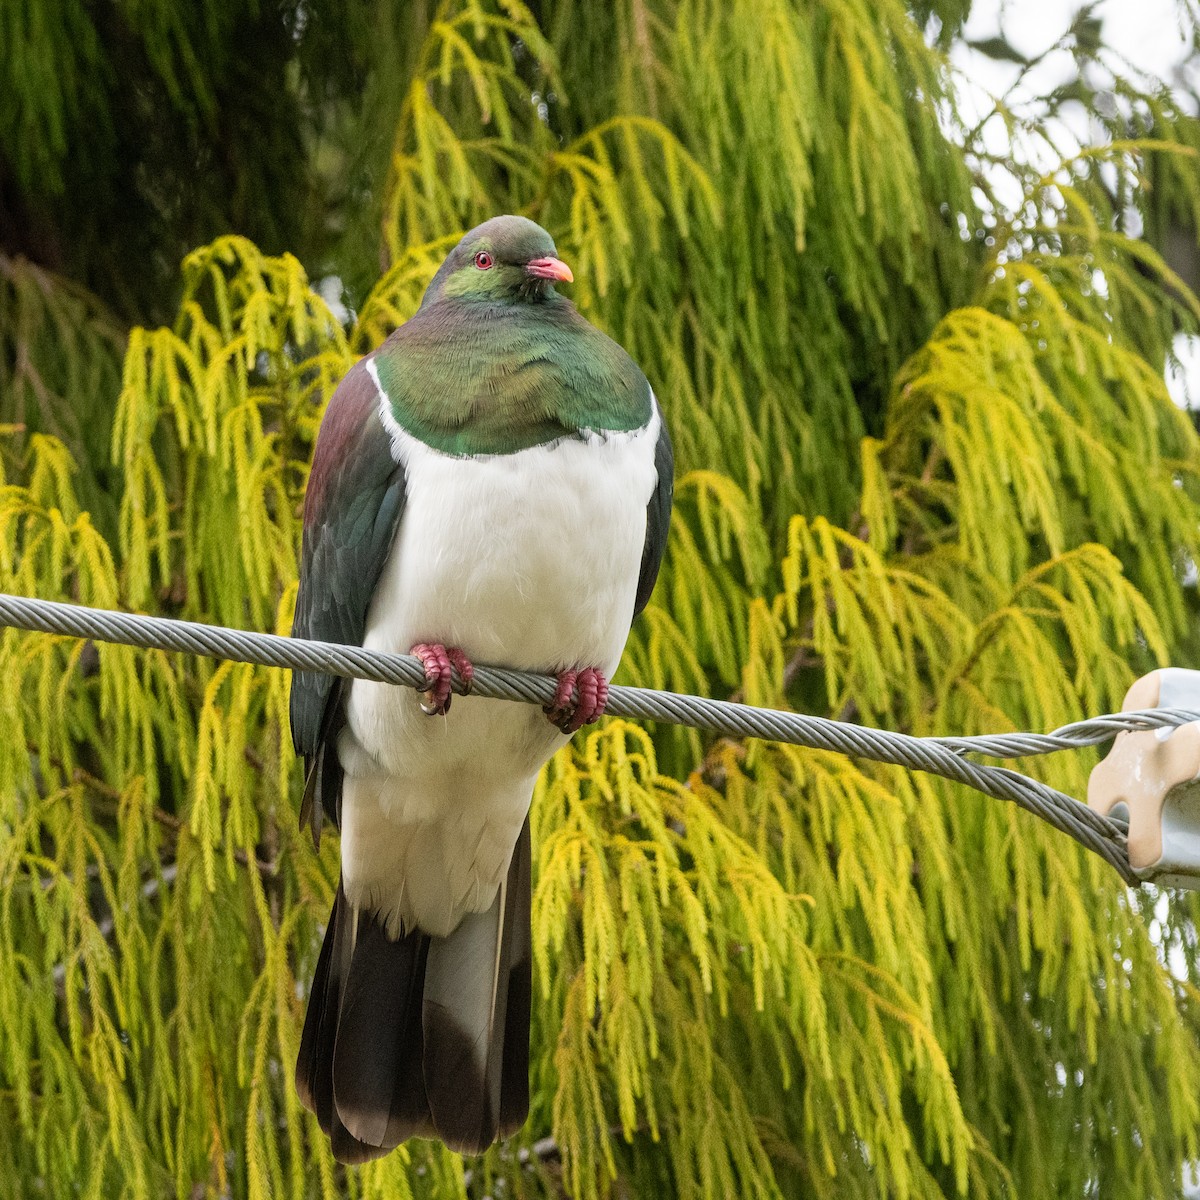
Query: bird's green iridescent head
point(504, 260)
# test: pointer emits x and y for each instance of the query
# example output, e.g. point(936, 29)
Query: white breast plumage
point(527, 560)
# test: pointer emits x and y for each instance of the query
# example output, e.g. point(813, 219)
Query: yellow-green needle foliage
point(929, 478)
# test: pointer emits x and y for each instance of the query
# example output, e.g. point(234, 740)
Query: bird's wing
point(658, 514)
point(352, 509)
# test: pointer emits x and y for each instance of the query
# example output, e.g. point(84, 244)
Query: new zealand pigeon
point(493, 483)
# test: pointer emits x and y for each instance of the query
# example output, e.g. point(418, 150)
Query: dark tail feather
point(421, 1036)
point(514, 1079)
point(377, 1053)
point(314, 1064)
point(476, 1018)
point(359, 1066)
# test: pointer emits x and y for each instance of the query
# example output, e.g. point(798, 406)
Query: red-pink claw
point(463, 665)
point(559, 709)
point(567, 713)
point(437, 660)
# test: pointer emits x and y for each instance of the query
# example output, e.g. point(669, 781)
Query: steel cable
point(945, 756)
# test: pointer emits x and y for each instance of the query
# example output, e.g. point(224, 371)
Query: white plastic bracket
point(1151, 778)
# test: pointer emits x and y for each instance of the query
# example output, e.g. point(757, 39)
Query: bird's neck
point(496, 379)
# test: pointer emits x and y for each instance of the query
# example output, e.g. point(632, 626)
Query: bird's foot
point(438, 661)
point(570, 715)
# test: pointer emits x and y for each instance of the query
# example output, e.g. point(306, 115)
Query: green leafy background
point(929, 478)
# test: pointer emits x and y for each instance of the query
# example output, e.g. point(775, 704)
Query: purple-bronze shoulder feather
point(348, 420)
point(352, 509)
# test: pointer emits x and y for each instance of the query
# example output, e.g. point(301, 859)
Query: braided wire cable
point(945, 756)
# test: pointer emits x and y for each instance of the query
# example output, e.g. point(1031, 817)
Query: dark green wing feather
point(658, 515)
point(352, 509)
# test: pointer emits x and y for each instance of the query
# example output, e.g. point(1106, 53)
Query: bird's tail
point(423, 1036)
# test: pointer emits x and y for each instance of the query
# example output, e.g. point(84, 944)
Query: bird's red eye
point(483, 260)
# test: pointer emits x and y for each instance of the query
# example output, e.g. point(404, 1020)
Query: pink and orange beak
point(549, 268)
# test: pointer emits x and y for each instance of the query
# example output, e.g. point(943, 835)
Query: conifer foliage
point(929, 477)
